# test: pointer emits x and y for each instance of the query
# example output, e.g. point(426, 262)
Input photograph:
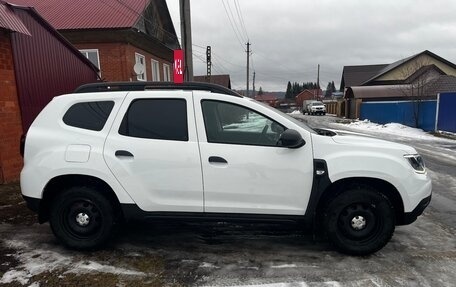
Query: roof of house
point(150, 17)
point(356, 75)
point(396, 64)
point(222, 80)
point(383, 91)
point(88, 14)
point(422, 72)
point(367, 74)
point(266, 97)
point(315, 92)
point(442, 84)
point(50, 29)
point(9, 20)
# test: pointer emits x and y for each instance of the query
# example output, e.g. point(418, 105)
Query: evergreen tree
point(328, 91)
point(288, 93)
point(260, 91)
point(333, 87)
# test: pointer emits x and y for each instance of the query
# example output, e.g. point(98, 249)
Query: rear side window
point(88, 115)
point(164, 119)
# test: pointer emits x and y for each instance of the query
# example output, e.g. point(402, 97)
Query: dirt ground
point(14, 213)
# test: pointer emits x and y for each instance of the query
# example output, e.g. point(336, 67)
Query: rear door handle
point(123, 153)
point(217, 159)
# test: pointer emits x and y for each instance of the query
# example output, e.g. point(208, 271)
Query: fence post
point(437, 112)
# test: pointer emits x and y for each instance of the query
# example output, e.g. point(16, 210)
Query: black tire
point(359, 221)
point(95, 214)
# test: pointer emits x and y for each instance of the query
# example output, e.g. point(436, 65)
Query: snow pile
point(391, 128)
point(295, 113)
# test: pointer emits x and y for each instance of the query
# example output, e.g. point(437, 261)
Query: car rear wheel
point(359, 221)
point(82, 218)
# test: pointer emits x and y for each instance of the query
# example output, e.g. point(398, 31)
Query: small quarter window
point(88, 115)
point(164, 119)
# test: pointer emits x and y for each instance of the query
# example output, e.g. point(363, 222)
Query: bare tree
point(419, 76)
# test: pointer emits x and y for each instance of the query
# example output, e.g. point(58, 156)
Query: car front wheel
point(82, 218)
point(359, 221)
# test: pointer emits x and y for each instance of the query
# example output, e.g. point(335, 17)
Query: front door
point(244, 171)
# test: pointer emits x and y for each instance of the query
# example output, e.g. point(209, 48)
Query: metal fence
point(446, 112)
point(403, 112)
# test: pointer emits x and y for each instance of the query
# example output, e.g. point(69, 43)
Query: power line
point(236, 22)
point(232, 26)
point(241, 18)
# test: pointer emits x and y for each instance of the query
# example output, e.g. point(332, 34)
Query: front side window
point(88, 115)
point(234, 124)
point(140, 60)
point(163, 119)
point(155, 71)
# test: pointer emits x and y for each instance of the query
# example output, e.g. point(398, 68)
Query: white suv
point(121, 151)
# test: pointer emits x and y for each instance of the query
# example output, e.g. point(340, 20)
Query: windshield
point(298, 122)
point(317, 104)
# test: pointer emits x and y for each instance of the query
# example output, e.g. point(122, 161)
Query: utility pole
point(318, 80)
point(248, 54)
point(208, 63)
point(253, 84)
point(186, 35)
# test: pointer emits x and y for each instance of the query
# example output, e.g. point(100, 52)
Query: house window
point(92, 55)
point(140, 59)
point(166, 73)
point(155, 71)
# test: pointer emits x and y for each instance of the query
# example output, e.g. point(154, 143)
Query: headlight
point(416, 161)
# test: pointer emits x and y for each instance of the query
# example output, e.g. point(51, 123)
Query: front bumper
point(410, 217)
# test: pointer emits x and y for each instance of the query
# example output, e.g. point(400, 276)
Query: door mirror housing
point(291, 139)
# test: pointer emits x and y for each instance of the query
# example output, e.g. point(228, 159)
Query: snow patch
point(294, 284)
point(37, 261)
point(295, 113)
point(88, 266)
point(284, 266)
point(208, 265)
point(392, 129)
point(15, 275)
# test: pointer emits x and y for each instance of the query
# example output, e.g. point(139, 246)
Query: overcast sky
point(291, 37)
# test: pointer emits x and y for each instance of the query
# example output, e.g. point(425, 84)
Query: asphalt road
point(220, 254)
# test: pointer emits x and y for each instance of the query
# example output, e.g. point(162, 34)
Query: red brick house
point(266, 98)
point(314, 94)
point(222, 80)
point(32, 56)
point(116, 35)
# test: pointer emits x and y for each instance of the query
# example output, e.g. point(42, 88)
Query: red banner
point(178, 66)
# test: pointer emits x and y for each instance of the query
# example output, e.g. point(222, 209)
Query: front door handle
point(123, 153)
point(217, 159)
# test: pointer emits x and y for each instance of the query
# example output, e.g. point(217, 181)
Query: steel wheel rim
point(359, 222)
point(81, 218)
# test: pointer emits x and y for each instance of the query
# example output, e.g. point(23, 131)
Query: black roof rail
point(143, 86)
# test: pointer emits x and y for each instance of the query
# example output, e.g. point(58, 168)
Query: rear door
point(152, 150)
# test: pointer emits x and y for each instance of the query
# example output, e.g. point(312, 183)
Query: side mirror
point(291, 139)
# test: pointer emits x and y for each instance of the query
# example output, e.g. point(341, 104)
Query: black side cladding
point(321, 182)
